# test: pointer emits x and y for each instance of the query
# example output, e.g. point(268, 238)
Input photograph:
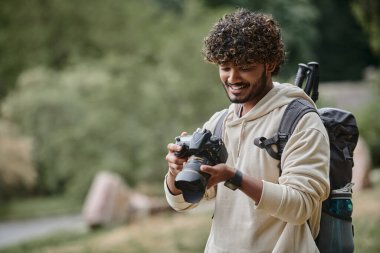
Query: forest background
point(105, 85)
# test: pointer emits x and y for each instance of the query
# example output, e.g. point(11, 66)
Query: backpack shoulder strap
point(218, 130)
point(293, 113)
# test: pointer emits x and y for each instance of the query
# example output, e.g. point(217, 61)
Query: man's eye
point(246, 68)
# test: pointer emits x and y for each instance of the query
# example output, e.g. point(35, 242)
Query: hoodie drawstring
point(241, 135)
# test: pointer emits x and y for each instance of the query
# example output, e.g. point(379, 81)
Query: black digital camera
point(202, 148)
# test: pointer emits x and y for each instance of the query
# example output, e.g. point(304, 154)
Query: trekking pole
point(314, 76)
point(309, 81)
point(301, 74)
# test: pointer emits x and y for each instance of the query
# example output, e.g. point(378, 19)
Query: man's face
point(245, 84)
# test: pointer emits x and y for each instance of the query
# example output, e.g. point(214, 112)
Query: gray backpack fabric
point(336, 229)
point(218, 130)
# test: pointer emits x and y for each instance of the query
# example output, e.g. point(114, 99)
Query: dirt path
point(13, 232)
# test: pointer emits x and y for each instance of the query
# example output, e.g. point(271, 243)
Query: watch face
point(230, 185)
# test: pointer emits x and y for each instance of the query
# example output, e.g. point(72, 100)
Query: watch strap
point(234, 182)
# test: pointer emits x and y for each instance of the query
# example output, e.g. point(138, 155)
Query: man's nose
point(234, 76)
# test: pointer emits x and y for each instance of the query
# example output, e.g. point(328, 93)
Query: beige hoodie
point(287, 217)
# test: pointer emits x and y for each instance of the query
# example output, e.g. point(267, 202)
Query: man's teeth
point(234, 87)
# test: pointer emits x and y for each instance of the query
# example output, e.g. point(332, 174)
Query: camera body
point(202, 148)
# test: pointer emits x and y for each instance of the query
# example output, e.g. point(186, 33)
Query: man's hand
point(218, 173)
point(252, 187)
point(175, 165)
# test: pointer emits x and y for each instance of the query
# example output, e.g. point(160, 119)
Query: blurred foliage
point(342, 46)
point(119, 112)
point(369, 124)
point(368, 14)
point(55, 33)
point(106, 85)
point(17, 172)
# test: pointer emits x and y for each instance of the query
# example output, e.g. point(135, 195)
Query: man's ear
point(270, 67)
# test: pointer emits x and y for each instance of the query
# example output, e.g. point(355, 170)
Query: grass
point(187, 232)
point(38, 207)
point(366, 217)
point(163, 233)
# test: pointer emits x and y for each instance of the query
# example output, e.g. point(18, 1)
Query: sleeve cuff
point(177, 202)
point(271, 197)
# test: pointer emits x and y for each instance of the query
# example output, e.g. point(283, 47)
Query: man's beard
point(260, 84)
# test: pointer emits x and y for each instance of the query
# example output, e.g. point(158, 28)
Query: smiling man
point(270, 212)
point(246, 85)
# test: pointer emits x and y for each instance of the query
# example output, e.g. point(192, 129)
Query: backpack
point(336, 229)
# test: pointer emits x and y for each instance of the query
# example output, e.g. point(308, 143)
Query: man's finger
point(174, 147)
point(206, 168)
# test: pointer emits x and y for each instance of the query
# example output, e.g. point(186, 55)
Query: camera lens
point(191, 181)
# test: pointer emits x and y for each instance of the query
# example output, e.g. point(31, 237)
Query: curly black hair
point(245, 37)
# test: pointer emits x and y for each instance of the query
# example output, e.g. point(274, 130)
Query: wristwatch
point(234, 182)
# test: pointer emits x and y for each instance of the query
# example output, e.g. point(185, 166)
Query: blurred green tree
point(342, 46)
point(368, 14)
point(118, 113)
point(17, 171)
point(56, 33)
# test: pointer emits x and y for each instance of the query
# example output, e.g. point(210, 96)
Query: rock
point(110, 201)
point(107, 201)
point(142, 205)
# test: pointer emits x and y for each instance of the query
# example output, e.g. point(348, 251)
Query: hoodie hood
point(281, 94)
